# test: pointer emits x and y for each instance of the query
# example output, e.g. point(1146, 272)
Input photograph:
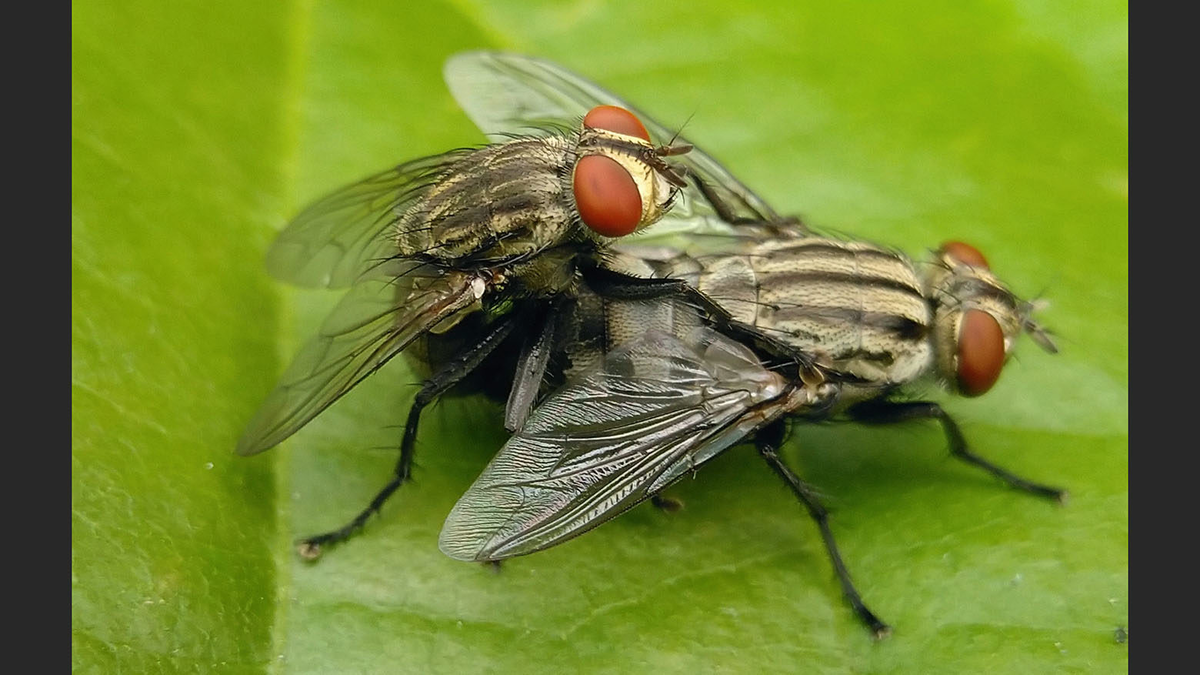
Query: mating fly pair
point(445, 257)
point(773, 324)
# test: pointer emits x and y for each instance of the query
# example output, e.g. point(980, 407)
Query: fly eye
point(613, 118)
point(965, 254)
point(980, 352)
point(607, 198)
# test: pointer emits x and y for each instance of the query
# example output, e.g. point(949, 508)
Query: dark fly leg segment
point(449, 375)
point(617, 286)
point(768, 441)
point(726, 213)
point(889, 412)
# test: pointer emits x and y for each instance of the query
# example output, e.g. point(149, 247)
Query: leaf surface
point(199, 128)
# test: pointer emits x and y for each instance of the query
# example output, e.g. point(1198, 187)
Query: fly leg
point(780, 226)
point(615, 285)
point(768, 441)
point(618, 286)
point(310, 548)
point(888, 412)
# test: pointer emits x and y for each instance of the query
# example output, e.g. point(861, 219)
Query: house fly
point(815, 328)
point(497, 233)
point(660, 392)
point(508, 93)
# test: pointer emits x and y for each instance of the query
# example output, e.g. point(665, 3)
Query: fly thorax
point(549, 273)
point(496, 203)
point(976, 319)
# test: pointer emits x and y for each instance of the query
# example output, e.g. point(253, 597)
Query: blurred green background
point(200, 127)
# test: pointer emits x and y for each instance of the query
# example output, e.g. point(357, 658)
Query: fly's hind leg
point(889, 412)
point(310, 548)
point(768, 441)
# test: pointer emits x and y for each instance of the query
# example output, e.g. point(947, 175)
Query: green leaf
point(199, 128)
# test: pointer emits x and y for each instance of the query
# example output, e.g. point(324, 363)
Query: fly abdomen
point(861, 306)
point(901, 328)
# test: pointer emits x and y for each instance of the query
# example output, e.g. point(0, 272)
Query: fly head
point(976, 319)
point(621, 181)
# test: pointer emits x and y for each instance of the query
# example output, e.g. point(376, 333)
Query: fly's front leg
point(618, 286)
point(889, 412)
point(768, 441)
point(459, 367)
point(788, 225)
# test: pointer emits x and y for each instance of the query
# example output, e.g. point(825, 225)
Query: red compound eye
point(607, 198)
point(980, 352)
point(965, 253)
point(613, 118)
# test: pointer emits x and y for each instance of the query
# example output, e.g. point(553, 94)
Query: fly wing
point(351, 232)
point(376, 320)
point(507, 94)
point(652, 411)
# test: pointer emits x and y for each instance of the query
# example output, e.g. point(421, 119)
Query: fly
point(809, 327)
point(507, 93)
point(660, 393)
point(497, 234)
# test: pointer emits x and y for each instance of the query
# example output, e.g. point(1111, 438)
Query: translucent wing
point(648, 414)
point(349, 233)
point(506, 94)
point(374, 321)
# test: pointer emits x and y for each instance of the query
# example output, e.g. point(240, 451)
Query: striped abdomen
point(858, 305)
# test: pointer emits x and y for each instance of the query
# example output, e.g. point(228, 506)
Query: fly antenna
point(681, 127)
point(670, 149)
